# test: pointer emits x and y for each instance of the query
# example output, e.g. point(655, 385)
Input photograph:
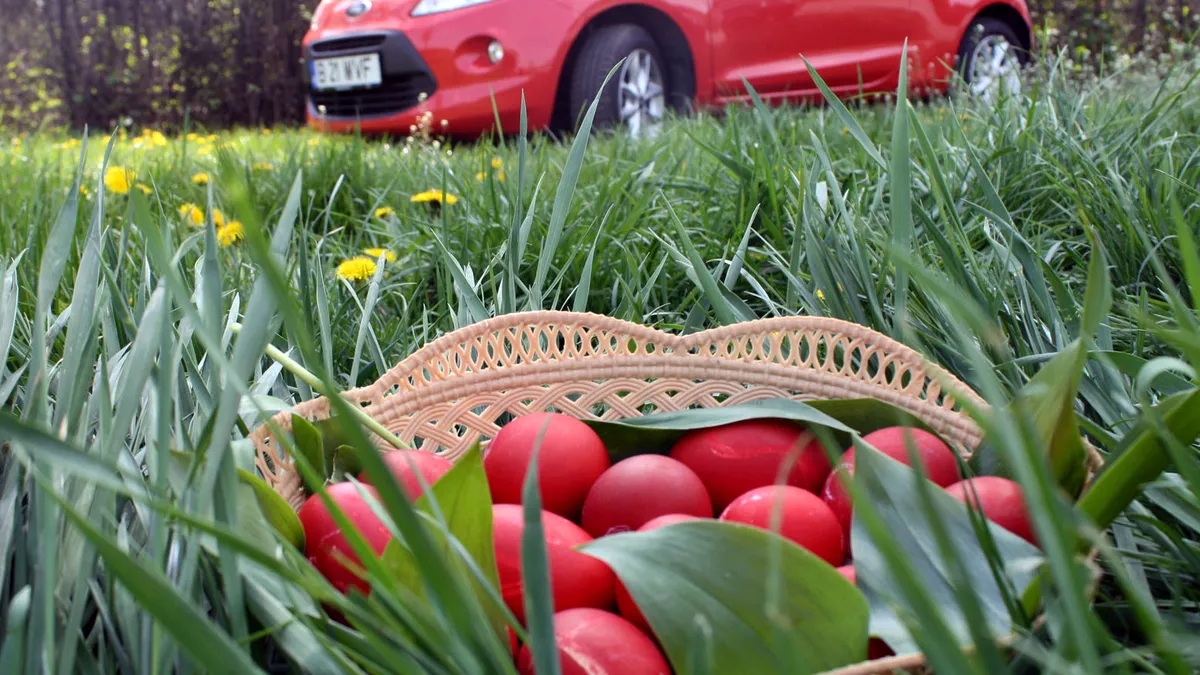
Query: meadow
point(991, 237)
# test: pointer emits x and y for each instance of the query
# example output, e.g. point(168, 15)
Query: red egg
point(325, 542)
point(669, 519)
point(937, 459)
point(1001, 500)
point(625, 604)
point(807, 521)
point(838, 500)
point(639, 489)
point(571, 458)
point(402, 464)
point(594, 642)
point(576, 579)
point(848, 572)
point(735, 458)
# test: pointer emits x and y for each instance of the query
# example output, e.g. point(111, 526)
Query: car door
point(851, 43)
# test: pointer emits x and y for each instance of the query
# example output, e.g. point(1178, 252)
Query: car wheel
point(636, 95)
point(991, 58)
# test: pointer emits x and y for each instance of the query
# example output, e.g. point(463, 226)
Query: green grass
point(752, 213)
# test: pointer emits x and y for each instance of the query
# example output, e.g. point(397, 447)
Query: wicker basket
point(453, 391)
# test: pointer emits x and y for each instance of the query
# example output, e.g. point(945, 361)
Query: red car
point(460, 66)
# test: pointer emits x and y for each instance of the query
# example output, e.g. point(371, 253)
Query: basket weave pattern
point(462, 386)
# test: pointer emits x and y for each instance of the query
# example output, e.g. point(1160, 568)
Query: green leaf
point(847, 119)
point(901, 198)
point(715, 574)
point(888, 486)
point(12, 647)
point(1098, 298)
point(310, 443)
point(562, 198)
point(1143, 460)
point(1048, 399)
point(656, 433)
point(345, 463)
point(212, 648)
point(275, 510)
point(462, 498)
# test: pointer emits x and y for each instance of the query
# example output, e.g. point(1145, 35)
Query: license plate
point(346, 72)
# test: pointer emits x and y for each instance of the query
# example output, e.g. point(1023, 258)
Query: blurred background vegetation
point(223, 63)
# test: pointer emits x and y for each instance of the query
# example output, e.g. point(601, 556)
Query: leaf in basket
point(657, 432)
point(888, 485)
point(276, 511)
point(309, 443)
point(345, 463)
point(465, 501)
point(718, 575)
point(1049, 401)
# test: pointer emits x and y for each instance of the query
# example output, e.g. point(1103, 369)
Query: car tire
point(604, 48)
point(983, 38)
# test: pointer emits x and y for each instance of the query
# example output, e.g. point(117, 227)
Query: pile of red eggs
point(729, 472)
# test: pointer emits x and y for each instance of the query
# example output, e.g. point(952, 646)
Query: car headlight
point(437, 6)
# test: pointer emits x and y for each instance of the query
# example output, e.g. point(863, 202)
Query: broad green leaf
point(888, 485)
point(275, 510)
point(310, 442)
point(656, 433)
point(1048, 399)
point(716, 573)
point(345, 463)
point(463, 499)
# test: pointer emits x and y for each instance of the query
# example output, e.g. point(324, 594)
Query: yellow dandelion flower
point(157, 139)
point(218, 218)
point(356, 269)
point(436, 196)
point(384, 212)
point(266, 131)
point(500, 176)
point(200, 178)
point(193, 136)
point(211, 138)
point(192, 214)
point(262, 166)
point(83, 190)
point(314, 141)
point(144, 188)
point(479, 176)
point(118, 180)
point(231, 233)
point(497, 164)
point(376, 252)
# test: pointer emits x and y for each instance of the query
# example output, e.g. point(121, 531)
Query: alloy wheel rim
point(641, 97)
point(995, 68)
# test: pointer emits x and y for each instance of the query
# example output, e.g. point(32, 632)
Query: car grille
point(347, 43)
point(396, 94)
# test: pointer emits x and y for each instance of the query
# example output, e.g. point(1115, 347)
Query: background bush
point(237, 62)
